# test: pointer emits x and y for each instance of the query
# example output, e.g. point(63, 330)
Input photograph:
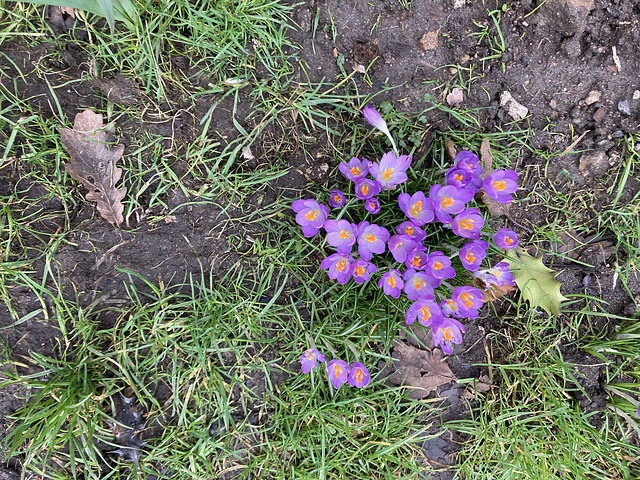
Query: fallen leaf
point(496, 292)
point(93, 162)
point(450, 149)
point(537, 282)
point(496, 209)
point(418, 369)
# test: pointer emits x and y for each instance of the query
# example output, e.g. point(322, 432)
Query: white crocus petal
point(372, 116)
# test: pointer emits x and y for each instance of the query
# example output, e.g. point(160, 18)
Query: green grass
point(226, 350)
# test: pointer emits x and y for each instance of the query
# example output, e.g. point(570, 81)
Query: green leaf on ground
point(537, 282)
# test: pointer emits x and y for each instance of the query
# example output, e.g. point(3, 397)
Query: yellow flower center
point(419, 284)
point(312, 215)
point(447, 333)
point(365, 189)
point(408, 231)
point(458, 177)
point(465, 298)
point(499, 185)
point(446, 202)
point(386, 174)
point(360, 271)
point(391, 281)
point(416, 209)
point(336, 198)
point(359, 375)
point(508, 240)
point(471, 257)
point(466, 224)
point(340, 266)
point(452, 305)
point(416, 261)
point(355, 171)
point(337, 370)
point(345, 234)
point(369, 237)
point(426, 313)
point(437, 265)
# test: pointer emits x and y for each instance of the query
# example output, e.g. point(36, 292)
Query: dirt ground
point(573, 65)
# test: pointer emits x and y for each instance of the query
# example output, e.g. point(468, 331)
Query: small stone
point(455, 97)
point(553, 103)
point(599, 115)
point(428, 41)
point(595, 163)
point(617, 134)
point(458, 3)
point(623, 107)
point(593, 97)
point(515, 110)
point(636, 94)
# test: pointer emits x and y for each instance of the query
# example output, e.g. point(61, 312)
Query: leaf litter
point(93, 163)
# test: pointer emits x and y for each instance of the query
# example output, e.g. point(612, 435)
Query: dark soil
point(572, 64)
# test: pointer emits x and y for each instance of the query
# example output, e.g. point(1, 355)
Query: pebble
point(516, 110)
point(617, 134)
point(623, 107)
point(636, 94)
point(599, 115)
point(593, 97)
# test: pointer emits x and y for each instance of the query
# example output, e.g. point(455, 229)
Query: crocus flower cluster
point(440, 296)
point(339, 371)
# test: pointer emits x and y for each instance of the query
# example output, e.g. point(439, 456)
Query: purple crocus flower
point(439, 266)
point(458, 177)
point(355, 169)
point(472, 254)
point(311, 215)
point(426, 311)
point(417, 207)
point(338, 371)
point(468, 223)
point(391, 170)
point(310, 359)
point(412, 231)
point(339, 267)
point(469, 162)
point(417, 258)
point(400, 246)
point(500, 184)
point(450, 308)
point(498, 275)
point(419, 285)
point(469, 300)
point(391, 283)
point(336, 199)
point(448, 331)
point(361, 270)
point(359, 375)
point(341, 234)
point(366, 188)
point(449, 200)
point(376, 120)
point(506, 238)
point(372, 205)
point(371, 239)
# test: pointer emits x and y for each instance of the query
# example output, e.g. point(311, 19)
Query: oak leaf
point(93, 163)
point(418, 369)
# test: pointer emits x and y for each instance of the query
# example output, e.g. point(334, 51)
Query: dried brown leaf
point(93, 162)
point(496, 209)
point(412, 367)
point(496, 292)
point(450, 149)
